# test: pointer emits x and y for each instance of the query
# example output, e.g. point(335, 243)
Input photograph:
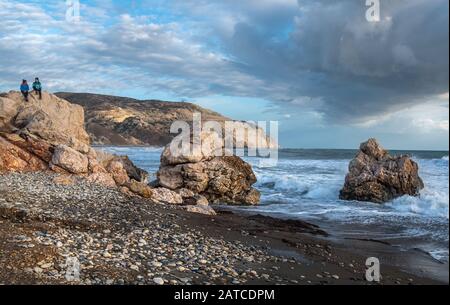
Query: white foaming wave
point(313, 187)
point(430, 203)
point(445, 158)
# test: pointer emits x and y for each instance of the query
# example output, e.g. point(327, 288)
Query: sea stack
point(221, 179)
point(376, 176)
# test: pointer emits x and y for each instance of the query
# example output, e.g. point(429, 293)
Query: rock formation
point(49, 134)
point(226, 180)
point(376, 176)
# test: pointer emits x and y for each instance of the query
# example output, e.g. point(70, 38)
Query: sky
point(329, 76)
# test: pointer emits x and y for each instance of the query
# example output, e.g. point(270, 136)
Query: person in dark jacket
point(24, 88)
point(37, 87)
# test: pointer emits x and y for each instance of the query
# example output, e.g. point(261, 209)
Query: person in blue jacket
point(37, 87)
point(24, 88)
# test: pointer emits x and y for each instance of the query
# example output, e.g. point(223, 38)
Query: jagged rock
point(49, 134)
point(185, 193)
point(212, 145)
point(376, 176)
point(132, 170)
point(219, 179)
point(141, 189)
point(52, 119)
point(16, 159)
point(70, 160)
point(118, 172)
point(163, 195)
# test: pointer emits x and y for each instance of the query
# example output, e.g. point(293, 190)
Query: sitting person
point(37, 87)
point(24, 88)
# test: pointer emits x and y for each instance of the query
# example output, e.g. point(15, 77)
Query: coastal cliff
point(121, 121)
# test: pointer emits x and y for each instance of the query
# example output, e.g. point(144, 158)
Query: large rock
point(52, 119)
point(16, 159)
point(376, 176)
point(163, 195)
point(70, 160)
point(226, 180)
point(49, 134)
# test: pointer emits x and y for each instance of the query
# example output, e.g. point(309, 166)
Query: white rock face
point(70, 160)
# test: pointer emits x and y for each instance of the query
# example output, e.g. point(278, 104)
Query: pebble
point(158, 281)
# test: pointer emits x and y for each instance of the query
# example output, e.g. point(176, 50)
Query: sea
point(305, 185)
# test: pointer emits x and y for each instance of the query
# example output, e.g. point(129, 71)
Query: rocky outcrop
point(376, 176)
point(70, 160)
point(49, 134)
point(53, 119)
point(226, 180)
point(112, 120)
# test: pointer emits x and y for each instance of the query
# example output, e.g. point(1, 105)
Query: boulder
point(226, 180)
point(52, 119)
point(118, 172)
point(49, 134)
point(70, 160)
point(102, 179)
point(212, 145)
point(376, 176)
point(141, 189)
point(163, 195)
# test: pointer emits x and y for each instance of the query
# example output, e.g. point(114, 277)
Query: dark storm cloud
point(315, 56)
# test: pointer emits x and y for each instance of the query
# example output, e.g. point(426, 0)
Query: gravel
point(116, 238)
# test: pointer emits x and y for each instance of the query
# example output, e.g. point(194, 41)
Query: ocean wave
point(430, 203)
point(445, 158)
point(313, 187)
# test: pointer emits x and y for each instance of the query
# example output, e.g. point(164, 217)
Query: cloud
point(322, 58)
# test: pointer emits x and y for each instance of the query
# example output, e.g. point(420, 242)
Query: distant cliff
point(112, 120)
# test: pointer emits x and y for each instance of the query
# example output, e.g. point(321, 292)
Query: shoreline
point(128, 240)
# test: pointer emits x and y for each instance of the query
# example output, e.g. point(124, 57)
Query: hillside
point(112, 120)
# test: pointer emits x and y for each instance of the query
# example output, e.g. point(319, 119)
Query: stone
point(211, 146)
point(102, 179)
point(185, 193)
point(52, 119)
point(163, 195)
point(49, 134)
point(226, 180)
point(140, 189)
point(16, 159)
point(64, 180)
point(200, 209)
point(118, 172)
point(376, 176)
point(158, 281)
point(70, 160)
